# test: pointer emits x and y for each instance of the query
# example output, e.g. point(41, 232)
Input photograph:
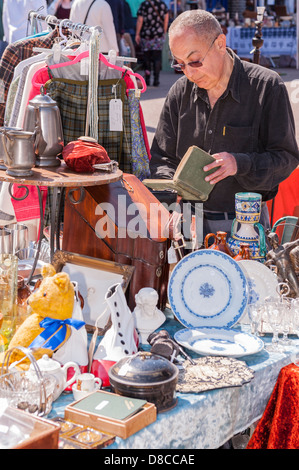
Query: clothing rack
point(75, 27)
point(51, 19)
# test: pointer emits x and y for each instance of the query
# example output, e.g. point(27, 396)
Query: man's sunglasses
point(195, 64)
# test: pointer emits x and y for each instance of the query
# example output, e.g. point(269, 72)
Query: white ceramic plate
point(262, 282)
point(219, 342)
point(207, 288)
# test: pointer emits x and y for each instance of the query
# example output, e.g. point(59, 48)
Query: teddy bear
point(52, 300)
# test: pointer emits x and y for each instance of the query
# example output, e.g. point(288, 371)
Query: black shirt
point(253, 120)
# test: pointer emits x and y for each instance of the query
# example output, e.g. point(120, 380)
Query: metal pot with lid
point(146, 376)
point(42, 111)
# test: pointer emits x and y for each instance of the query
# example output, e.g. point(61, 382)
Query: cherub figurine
point(146, 314)
point(285, 258)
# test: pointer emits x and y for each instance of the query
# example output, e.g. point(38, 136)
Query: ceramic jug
point(246, 227)
point(43, 112)
point(219, 242)
point(52, 367)
point(244, 252)
point(19, 153)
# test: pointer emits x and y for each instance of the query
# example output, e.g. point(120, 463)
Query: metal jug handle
point(3, 135)
point(36, 135)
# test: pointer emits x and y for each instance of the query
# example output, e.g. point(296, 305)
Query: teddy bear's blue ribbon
point(54, 332)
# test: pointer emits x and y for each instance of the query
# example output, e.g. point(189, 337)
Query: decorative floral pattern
point(139, 158)
point(206, 290)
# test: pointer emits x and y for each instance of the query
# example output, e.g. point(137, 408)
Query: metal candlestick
point(257, 40)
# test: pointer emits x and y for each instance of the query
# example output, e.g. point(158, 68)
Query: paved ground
point(153, 98)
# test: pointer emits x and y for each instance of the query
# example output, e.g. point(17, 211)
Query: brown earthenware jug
point(219, 244)
point(244, 252)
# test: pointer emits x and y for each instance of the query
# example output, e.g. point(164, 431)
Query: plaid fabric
point(12, 56)
point(71, 97)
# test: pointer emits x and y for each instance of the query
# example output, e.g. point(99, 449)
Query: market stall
point(277, 41)
point(124, 335)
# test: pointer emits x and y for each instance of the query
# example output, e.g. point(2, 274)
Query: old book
point(110, 405)
point(189, 178)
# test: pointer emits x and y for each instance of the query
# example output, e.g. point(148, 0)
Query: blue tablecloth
point(277, 41)
point(207, 420)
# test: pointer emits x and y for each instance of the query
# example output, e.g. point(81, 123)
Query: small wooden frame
point(94, 277)
point(121, 428)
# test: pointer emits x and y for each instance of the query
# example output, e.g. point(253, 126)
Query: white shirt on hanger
point(100, 14)
point(15, 17)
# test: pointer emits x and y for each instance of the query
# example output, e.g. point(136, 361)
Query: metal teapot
point(42, 111)
point(19, 153)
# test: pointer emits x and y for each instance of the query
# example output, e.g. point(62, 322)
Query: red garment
point(80, 155)
point(279, 426)
point(286, 202)
point(28, 208)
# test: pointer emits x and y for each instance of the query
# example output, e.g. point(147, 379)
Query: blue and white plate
point(219, 342)
point(207, 288)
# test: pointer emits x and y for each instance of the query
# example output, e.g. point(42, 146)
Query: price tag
point(116, 115)
point(171, 255)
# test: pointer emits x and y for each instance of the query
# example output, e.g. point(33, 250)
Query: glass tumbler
point(8, 297)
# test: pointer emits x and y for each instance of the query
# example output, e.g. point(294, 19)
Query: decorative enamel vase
point(246, 227)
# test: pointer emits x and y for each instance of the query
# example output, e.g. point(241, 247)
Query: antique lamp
point(257, 40)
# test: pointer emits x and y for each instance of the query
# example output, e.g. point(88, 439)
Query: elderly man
point(237, 111)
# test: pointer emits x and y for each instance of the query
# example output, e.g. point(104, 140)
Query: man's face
point(188, 47)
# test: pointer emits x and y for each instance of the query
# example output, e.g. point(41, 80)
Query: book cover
point(110, 405)
point(189, 178)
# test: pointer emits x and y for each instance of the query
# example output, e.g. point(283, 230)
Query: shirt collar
point(233, 85)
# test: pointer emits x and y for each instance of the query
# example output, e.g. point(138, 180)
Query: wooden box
point(44, 434)
point(143, 244)
point(121, 428)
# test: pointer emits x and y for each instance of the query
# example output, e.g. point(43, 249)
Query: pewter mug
point(19, 236)
point(19, 154)
point(2, 153)
point(44, 113)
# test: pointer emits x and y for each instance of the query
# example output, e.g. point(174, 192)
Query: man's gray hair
point(202, 22)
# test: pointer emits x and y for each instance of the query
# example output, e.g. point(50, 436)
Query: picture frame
point(94, 277)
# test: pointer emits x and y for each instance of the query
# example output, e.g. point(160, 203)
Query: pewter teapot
point(42, 111)
point(19, 151)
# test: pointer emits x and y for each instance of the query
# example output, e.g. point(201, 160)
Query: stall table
point(207, 420)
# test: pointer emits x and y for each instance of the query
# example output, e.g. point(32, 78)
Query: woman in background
point(151, 27)
point(60, 8)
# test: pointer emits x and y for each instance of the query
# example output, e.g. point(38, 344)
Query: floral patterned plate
point(219, 342)
point(207, 288)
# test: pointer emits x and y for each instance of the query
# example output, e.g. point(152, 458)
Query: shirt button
point(210, 131)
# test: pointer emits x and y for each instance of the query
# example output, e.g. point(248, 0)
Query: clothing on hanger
point(139, 157)
point(71, 98)
point(13, 55)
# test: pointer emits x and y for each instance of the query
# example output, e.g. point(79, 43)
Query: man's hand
point(227, 166)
